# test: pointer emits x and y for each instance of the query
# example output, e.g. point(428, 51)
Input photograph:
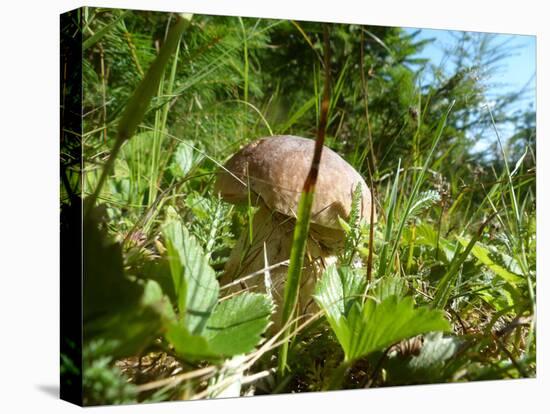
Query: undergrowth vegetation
point(451, 293)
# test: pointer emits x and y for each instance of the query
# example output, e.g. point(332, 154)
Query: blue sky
point(515, 72)
point(517, 69)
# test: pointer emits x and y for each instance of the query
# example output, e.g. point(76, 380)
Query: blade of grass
point(96, 37)
point(299, 113)
point(245, 56)
point(444, 287)
point(389, 223)
point(418, 182)
point(300, 236)
point(365, 89)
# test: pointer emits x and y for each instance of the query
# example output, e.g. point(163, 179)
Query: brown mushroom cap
point(276, 168)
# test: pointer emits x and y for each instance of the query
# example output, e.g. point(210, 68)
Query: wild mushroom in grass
point(270, 173)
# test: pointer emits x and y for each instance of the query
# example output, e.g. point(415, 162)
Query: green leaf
point(383, 262)
point(363, 328)
point(379, 325)
point(182, 161)
point(194, 280)
point(428, 236)
point(236, 325)
point(426, 367)
point(419, 182)
point(338, 289)
point(447, 282)
point(209, 330)
point(299, 113)
point(106, 289)
point(188, 346)
point(423, 201)
point(132, 330)
point(154, 297)
point(435, 351)
point(503, 265)
point(388, 286)
point(344, 225)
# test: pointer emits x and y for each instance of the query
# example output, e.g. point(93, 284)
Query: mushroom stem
point(275, 231)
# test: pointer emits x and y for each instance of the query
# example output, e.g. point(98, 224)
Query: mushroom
point(270, 172)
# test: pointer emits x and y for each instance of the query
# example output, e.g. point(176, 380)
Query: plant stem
point(339, 375)
point(302, 222)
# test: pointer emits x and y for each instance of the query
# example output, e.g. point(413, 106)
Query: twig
point(254, 274)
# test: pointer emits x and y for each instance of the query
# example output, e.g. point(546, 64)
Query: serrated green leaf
point(428, 236)
point(435, 351)
point(501, 264)
point(424, 200)
point(345, 226)
point(236, 325)
point(182, 160)
point(338, 289)
point(380, 325)
point(426, 367)
point(388, 286)
point(194, 280)
point(363, 328)
point(188, 346)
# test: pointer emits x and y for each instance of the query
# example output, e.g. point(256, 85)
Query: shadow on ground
point(49, 389)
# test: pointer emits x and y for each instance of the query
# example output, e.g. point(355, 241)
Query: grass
point(453, 250)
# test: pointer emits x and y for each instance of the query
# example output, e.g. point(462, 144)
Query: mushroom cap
point(276, 169)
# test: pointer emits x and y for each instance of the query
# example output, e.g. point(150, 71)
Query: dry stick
point(229, 380)
point(175, 380)
point(132, 47)
point(364, 87)
point(305, 204)
point(254, 274)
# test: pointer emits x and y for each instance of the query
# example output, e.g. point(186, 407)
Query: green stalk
point(338, 375)
point(245, 52)
point(301, 230)
point(297, 254)
point(445, 285)
point(389, 222)
point(411, 249)
point(155, 150)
